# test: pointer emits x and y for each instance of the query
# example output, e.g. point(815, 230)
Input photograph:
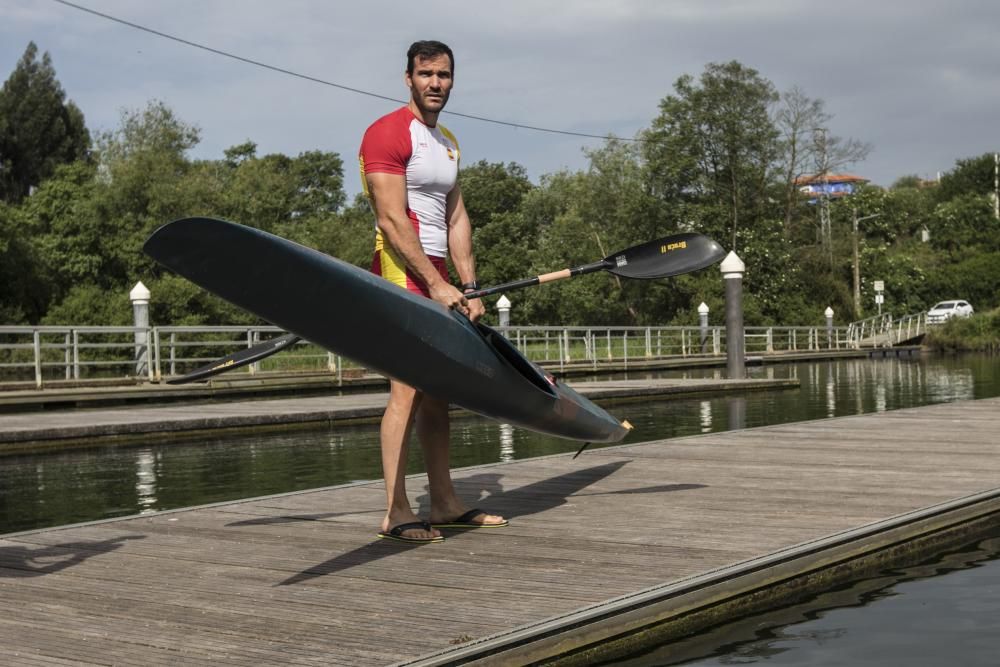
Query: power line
point(313, 79)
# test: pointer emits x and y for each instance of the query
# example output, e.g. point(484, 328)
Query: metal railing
point(884, 331)
point(52, 353)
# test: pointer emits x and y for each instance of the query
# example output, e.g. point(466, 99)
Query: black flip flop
point(466, 521)
point(396, 533)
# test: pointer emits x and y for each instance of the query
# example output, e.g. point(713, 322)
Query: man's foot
point(474, 518)
point(413, 532)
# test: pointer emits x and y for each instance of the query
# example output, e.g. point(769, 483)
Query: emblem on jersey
point(451, 155)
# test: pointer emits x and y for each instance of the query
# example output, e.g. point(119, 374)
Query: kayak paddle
point(662, 258)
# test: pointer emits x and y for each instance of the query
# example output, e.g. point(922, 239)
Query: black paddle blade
point(669, 256)
point(237, 359)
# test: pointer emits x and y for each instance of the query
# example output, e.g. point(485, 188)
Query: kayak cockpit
point(506, 351)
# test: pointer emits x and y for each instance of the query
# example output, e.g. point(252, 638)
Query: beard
point(432, 105)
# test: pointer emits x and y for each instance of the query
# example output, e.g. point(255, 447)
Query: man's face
point(430, 83)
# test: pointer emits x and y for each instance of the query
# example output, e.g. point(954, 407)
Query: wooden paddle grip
point(555, 275)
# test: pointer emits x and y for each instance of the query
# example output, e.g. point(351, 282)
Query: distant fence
point(50, 353)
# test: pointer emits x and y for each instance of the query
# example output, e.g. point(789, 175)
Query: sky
point(918, 81)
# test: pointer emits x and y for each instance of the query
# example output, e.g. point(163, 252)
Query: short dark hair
point(428, 49)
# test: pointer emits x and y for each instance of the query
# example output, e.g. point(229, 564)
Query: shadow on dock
point(529, 499)
point(24, 561)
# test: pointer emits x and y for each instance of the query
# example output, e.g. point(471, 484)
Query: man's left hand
point(476, 309)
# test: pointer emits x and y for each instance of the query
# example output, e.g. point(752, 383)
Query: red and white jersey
point(399, 143)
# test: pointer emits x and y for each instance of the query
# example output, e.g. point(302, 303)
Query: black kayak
point(359, 315)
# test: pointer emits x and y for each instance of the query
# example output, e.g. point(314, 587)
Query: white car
point(944, 311)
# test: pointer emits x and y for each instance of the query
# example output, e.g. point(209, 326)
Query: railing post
point(173, 354)
point(157, 360)
point(255, 366)
point(76, 354)
point(625, 347)
point(67, 356)
point(649, 343)
point(770, 339)
point(37, 345)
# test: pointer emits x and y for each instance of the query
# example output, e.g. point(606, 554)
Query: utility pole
point(857, 263)
point(826, 235)
point(996, 185)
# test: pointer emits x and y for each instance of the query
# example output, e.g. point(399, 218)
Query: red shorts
point(390, 266)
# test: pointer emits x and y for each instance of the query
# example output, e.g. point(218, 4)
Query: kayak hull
point(359, 315)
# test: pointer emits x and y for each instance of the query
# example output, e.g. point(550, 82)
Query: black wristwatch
point(473, 286)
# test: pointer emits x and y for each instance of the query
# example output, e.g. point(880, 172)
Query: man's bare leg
point(404, 402)
point(433, 431)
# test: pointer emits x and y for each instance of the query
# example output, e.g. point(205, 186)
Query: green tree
point(492, 188)
point(348, 235)
point(39, 128)
point(974, 175)
point(23, 292)
point(964, 223)
point(503, 238)
point(714, 143)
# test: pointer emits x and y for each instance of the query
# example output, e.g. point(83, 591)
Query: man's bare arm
point(388, 194)
point(460, 246)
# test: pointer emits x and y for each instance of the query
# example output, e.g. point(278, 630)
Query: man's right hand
point(449, 296)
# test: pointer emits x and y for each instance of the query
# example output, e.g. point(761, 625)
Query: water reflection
point(79, 485)
point(705, 409)
point(506, 443)
point(737, 412)
point(145, 484)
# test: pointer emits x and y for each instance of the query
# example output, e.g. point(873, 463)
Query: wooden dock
point(58, 428)
point(672, 533)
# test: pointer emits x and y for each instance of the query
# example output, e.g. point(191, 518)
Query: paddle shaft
point(538, 280)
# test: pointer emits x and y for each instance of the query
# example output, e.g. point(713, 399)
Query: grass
point(979, 333)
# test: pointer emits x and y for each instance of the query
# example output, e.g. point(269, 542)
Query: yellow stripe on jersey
point(451, 137)
point(364, 181)
point(392, 266)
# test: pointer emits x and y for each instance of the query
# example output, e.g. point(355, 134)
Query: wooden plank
point(163, 420)
point(300, 578)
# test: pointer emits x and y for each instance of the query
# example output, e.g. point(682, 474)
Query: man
point(409, 170)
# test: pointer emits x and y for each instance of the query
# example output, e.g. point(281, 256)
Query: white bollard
point(140, 313)
point(503, 308)
point(703, 325)
point(829, 326)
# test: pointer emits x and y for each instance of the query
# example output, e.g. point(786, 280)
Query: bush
point(978, 333)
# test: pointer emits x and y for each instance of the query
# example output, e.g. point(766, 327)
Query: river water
point(58, 488)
